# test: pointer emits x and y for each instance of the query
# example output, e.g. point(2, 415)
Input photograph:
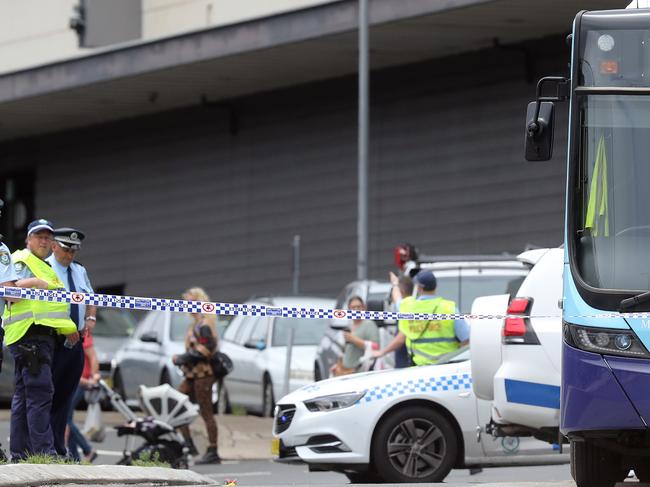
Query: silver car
point(147, 357)
point(257, 347)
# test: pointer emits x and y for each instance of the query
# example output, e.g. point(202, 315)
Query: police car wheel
point(414, 444)
point(593, 466)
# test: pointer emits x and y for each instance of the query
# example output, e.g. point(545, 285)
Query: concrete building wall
point(34, 32)
point(213, 196)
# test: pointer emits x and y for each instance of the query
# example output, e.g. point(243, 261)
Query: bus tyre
point(593, 466)
point(414, 444)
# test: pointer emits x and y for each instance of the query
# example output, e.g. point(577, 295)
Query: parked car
point(114, 327)
point(403, 425)
point(257, 347)
point(460, 278)
point(518, 367)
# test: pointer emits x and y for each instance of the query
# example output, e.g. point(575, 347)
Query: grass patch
point(238, 411)
point(47, 460)
point(149, 460)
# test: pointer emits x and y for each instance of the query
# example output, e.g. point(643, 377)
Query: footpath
point(240, 438)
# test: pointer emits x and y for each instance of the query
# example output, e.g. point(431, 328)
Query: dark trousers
point(66, 372)
point(30, 430)
point(402, 358)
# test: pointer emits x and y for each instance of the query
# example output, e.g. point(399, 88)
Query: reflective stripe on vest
point(13, 318)
point(427, 341)
point(18, 317)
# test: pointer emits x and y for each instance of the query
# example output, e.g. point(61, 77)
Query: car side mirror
point(149, 337)
point(255, 344)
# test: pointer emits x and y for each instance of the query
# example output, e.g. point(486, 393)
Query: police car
point(404, 425)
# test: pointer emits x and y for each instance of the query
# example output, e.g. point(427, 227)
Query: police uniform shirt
point(80, 278)
point(7, 271)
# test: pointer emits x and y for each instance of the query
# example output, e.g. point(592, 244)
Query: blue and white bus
point(605, 392)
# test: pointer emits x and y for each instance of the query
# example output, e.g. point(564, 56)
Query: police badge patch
point(4, 258)
point(19, 266)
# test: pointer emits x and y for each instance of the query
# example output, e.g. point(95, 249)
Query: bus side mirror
point(539, 130)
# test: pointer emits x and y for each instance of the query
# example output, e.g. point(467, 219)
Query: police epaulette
point(77, 262)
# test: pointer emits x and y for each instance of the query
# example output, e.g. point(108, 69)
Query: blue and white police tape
point(234, 309)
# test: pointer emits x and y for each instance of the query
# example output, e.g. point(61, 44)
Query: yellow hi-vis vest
point(18, 317)
point(427, 341)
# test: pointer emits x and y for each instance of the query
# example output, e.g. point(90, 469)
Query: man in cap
point(31, 329)
point(69, 360)
point(426, 341)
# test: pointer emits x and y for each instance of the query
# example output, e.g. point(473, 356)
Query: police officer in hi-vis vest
point(426, 341)
point(31, 331)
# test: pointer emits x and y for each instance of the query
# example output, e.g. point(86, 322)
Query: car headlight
point(334, 401)
point(605, 341)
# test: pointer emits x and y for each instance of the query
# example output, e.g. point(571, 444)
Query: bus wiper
point(634, 300)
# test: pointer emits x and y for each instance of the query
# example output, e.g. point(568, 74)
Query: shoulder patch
point(4, 258)
point(19, 266)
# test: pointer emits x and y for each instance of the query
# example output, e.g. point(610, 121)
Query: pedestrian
point(31, 331)
point(68, 360)
point(427, 341)
point(201, 342)
point(362, 334)
point(89, 380)
point(402, 288)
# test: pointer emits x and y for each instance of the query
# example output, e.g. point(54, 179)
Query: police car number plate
point(275, 446)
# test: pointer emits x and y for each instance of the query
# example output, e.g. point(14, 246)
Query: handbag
point(93, 427)
point(221, 364)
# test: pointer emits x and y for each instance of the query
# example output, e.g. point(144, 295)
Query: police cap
point(38, 225)
point(426, 279)
point(69, 238)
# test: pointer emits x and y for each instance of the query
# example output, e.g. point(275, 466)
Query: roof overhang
point(264, 54)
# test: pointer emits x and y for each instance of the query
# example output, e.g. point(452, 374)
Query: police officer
point(68, 361)
point(31, 328)
point(427, 341)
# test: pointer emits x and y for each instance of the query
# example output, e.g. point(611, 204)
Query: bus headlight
point(605, 341)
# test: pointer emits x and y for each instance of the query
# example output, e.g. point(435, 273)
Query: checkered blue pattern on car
point(455, 382)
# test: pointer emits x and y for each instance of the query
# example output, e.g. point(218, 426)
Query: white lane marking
point(235, 474)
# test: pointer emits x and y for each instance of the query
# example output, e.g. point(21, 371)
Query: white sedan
point(405, 425)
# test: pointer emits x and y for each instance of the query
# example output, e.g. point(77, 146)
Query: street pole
point(362, 218)
point(296, 264)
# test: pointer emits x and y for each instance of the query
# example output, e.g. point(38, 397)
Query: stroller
point(166, 409)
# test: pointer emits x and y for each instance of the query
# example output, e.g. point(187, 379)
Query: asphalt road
point(265, 472)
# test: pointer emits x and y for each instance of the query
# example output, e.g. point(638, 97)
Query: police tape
point(234, 309)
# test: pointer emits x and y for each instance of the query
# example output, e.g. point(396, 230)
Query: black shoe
point(191, 447)
point(211, 456)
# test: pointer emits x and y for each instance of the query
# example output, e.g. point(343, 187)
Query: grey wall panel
point(185, 198)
